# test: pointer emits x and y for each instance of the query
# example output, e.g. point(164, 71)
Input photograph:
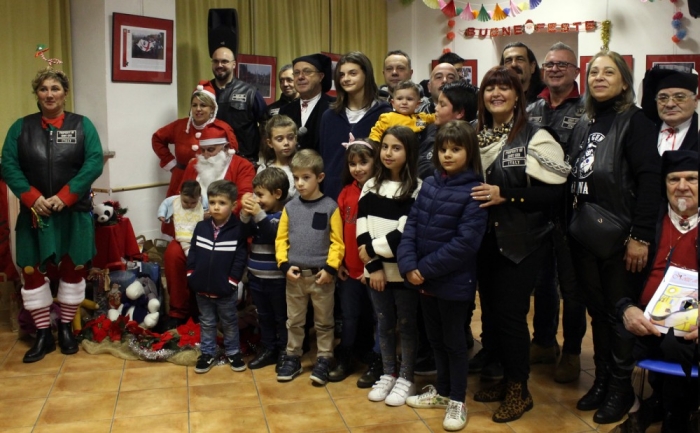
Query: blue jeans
point(225, 309)
point(397, 306)
point(445, 323)
point(356, 306)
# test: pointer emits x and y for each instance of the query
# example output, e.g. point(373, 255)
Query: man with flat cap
point(312, 79)
point(669, 99)
point(673, 398)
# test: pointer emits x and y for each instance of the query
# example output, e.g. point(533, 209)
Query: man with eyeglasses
point(288, 91)
point(521, 59)
point(669, 99)
point(397, 68)
point(312, 79)
point(240, 103)
point(560, 107)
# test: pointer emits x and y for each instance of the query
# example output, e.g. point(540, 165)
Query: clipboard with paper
point(675, 302)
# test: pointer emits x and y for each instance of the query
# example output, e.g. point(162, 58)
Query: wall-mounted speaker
point(223, 29)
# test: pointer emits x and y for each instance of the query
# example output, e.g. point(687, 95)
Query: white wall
point(637, 29)
point(126, 114)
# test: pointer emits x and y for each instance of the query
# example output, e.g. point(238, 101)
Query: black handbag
point(598, 230)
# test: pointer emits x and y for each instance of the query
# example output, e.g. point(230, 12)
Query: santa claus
point(217, 159)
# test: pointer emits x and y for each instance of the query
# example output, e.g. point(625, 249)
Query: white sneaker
point(428, 400)
point(402, 389)
point(455, 416)
point(382, 388)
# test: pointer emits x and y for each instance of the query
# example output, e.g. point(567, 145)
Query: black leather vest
point(611, 176)
point(49, 159)
point(519, 233)
point(562, 119)
point(236, 108)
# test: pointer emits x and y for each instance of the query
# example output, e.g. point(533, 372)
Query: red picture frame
point(334, 61)
point(583, 64)
point(690, 60)
point(259, 71)
point(469, 70)
point(142, 49)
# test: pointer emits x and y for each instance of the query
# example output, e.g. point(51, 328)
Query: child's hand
point(161, 219)
point(363, 254)
point(293, 273)
point(414, 277)
point(249, 204)
point(377, 280)
point(343, 273)
point(207, 214)
point(363, 279)
point(323, 277)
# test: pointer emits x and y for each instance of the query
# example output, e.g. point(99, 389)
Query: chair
point(664, 367)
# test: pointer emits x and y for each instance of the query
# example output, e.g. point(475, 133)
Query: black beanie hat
point(324, 65)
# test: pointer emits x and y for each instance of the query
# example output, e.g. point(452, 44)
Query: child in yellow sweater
point(405, 101)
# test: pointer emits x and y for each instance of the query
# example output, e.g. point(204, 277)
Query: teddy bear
point(139, 303)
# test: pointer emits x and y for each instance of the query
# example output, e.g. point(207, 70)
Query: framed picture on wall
point(469, 71)
point(583, 64)
point(142, 49)
point(334, 62)
point(261, 72)
point(683, 62)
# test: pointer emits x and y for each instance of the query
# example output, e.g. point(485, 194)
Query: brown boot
point(568, 369)
point(496, 392)
point(518, 401)
point(543, 355)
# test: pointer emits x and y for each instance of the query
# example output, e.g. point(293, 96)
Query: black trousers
point(505, 288)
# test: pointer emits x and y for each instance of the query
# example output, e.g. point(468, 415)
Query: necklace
point(492, 135)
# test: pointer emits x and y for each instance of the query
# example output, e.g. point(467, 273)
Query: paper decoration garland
point(467, 13)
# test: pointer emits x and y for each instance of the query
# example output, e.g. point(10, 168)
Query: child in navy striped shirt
point(262, 211)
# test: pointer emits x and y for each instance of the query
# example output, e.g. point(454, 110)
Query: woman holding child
point(524, 175)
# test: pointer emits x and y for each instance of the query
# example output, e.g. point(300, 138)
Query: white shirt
point(306, 111)
point(672, 141)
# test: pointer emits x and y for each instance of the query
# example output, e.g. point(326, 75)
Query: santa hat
point(657, 79)
point(323, 64)
point(212, 135)
point(204, 87)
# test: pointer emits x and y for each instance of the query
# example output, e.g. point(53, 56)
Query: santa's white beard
point(211, 169)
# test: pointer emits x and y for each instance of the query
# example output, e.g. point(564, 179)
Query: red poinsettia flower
point(115, 331)
point(134, 328)
point(100, 328)
point(189, 333)
point(164, 338)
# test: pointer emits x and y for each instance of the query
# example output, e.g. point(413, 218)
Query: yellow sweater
point(417, 122)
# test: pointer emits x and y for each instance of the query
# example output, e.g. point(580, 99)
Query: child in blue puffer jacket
point(438, 253)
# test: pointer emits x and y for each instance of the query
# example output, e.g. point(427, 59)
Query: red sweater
point(684, 255)
point(347, 205)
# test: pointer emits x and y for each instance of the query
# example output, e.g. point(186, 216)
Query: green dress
point(66, 232)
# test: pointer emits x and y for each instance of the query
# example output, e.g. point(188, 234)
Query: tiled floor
point(101, 393)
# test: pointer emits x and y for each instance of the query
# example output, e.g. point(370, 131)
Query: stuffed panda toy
point(104, 214)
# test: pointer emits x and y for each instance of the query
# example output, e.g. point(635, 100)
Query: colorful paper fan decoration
point(676, 23)
point(498, 13)
point(467, 14)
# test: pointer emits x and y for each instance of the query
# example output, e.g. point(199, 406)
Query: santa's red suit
point(182, 303)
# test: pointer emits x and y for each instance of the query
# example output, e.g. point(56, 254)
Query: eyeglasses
point(304, 72)
point(678, 98)
point(220, 62)
point(561, 65)
point(211, 149)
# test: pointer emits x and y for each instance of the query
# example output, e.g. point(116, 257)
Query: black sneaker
point(204, 363)
point(291, 368)
point(236, 362)
point(320, 372)
point(373, 373)
point(265, 358)
point(425, 367)
point(280, 361)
